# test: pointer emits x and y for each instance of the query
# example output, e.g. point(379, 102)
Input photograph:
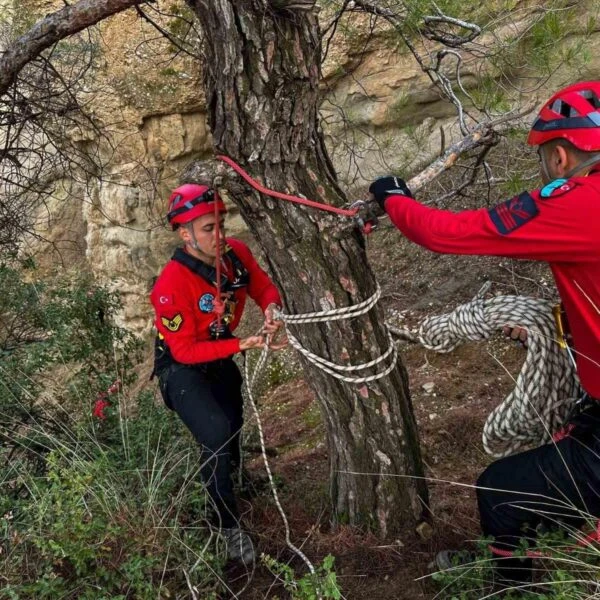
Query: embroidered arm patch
point(513, 213)
point(172, 324)
point(558, 187)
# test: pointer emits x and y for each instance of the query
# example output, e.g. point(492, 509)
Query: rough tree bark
point(262, 86)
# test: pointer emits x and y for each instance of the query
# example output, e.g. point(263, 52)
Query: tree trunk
point(262, 87)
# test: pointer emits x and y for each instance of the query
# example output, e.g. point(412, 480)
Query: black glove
point(385, 186)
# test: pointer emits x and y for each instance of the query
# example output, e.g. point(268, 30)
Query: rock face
point(381, 114)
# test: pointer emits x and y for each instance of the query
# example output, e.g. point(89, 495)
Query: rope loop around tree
point(545, 390)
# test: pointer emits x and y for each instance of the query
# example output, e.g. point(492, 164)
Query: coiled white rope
point(346, 312)
point(546, 389)
point(547, 385)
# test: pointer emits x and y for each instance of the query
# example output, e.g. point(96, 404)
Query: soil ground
point(452, 396)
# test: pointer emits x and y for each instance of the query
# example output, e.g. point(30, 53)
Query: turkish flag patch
point(513, 213)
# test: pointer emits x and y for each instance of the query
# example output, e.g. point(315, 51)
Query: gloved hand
point(385, 186)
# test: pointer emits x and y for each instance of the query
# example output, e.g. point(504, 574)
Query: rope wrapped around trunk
point(547, 386)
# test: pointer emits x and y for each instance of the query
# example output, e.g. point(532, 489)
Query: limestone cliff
point(381, 113)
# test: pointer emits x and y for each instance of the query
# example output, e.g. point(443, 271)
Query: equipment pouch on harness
point(163, 364)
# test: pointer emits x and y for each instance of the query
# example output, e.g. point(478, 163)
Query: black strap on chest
point(239, 279)
point(162, 355)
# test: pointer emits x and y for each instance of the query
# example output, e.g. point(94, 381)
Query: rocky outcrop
point(381, 114)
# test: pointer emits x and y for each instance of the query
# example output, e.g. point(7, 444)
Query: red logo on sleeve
point(513, 213)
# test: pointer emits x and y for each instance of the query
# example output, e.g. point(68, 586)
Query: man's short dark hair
point(567, 145)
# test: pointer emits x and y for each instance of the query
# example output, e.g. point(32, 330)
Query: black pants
point(208, 400)
point(547, 486)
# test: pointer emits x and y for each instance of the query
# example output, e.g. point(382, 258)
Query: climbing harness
point(365, 225)
point(219, 328)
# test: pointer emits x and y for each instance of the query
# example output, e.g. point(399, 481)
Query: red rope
point(218, 305)
point(512, 553)
point(586, 541)
point(290, 198)
point(561, 434)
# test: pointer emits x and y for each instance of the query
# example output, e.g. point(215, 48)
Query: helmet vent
point(591, 97)
point(564, 109)
point(175, 200)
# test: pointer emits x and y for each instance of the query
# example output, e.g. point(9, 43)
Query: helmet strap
point(544, 166)
point(586, 164)
point(194, 243)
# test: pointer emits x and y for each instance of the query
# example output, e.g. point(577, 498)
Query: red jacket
point(182, 302)
point(559, 223)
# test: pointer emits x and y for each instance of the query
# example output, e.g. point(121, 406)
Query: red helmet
point(572, 114)
point(190, 201)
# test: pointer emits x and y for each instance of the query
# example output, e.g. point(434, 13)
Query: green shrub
point(59, 349)
point(320, 585)
point(114, 519)
point(91, 507)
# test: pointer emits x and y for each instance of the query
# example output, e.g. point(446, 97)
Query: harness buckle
point(560, 326)
point(219, 331)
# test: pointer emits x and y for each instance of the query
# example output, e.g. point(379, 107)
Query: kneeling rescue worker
point(193, 360)
point(560, 224)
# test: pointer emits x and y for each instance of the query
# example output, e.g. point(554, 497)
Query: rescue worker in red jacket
point(559, 224)
point(193, 358)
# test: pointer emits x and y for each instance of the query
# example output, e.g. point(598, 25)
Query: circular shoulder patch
point(206, 303)
point(558, 187)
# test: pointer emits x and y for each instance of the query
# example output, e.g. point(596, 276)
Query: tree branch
point(293, 5)
point(482, 134)
point(433, 72)
point(447, 38)
point(53, 28)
